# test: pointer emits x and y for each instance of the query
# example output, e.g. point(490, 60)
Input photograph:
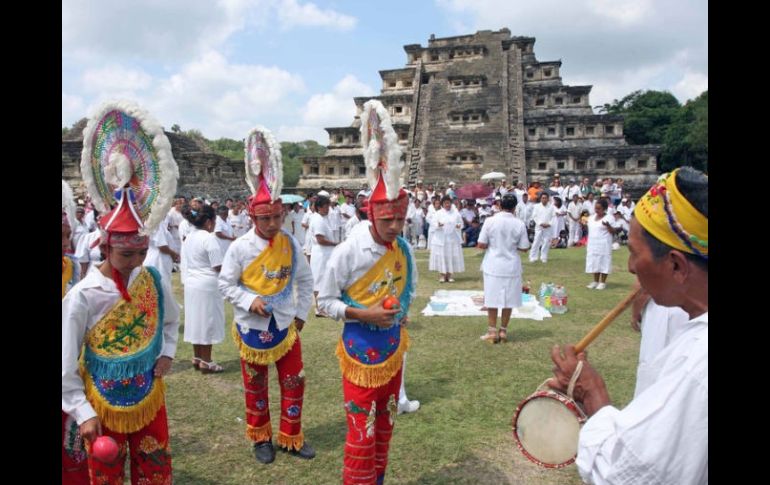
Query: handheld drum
point(546, 424)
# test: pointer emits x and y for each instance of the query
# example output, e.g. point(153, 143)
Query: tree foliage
point(293, 153)
point(656, 117)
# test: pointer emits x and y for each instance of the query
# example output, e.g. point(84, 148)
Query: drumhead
point(547, 430)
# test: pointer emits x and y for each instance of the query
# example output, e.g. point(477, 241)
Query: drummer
point(662, 435)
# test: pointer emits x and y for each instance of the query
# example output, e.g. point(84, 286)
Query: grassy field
point(468, 389)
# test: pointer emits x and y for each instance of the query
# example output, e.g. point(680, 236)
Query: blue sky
point(223, 66)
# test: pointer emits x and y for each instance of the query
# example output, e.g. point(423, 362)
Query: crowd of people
point(355, 257)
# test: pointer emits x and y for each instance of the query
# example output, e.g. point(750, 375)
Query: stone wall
point(201, 173)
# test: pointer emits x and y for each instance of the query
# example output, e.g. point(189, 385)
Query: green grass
point(468, 389)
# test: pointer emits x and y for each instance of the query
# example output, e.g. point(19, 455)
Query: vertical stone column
point(518, 163)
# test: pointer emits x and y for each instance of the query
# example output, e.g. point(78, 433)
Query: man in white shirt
point(542, 214)
point(239, 220)
point(269, 284)
point(574, 209)
point(80, 229)
point(222, 230)
point(571, 190)
point(661, 436)
point(502, 236)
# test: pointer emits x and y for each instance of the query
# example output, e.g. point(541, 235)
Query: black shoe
point(306, 452)
point(264, 452)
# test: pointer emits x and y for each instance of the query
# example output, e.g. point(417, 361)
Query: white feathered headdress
point(124, 146)
point(68, 203)
point(382, 153)
point(263, 161)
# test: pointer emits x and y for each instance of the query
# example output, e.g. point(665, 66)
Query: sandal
point(491, 336)
point(502, 335)
point(196, 363)
point(210, 367)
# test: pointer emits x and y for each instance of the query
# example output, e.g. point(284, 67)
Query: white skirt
point(502, 291)
point(447, 258)
point(599, 262)
point(204, 313)
point(318, 259)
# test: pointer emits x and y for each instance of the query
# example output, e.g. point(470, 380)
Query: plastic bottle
point(547, 299)
point(559, 300)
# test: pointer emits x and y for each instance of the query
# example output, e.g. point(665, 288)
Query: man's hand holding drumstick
point(590, 389)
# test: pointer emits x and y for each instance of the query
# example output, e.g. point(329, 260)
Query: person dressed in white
point(660, 326)
point(446, 252)
point(307, 243)
point(542, 214)
point(418, 221)
point(80, 228)
point(573, 215)
point(88, 252)
point(590, 204)
point(599, 245)
point(239, 220)
point(223, 230)
point(354, 221)
point(174, 219)
point(296, 215)
point(323, 238)
point(661, 436)
point(433, 208)
point(502, 236)
point(560, 214)
point(159, 253)
point(204, 309)
point(522, 211)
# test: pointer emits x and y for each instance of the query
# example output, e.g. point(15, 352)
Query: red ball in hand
point(105, 448)
point(391, 303)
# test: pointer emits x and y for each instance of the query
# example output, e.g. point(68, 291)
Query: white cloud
point(690, 86)
point(618, 46)
point(293, 14)
point(302, 133)
point(336, 108)
point(72, 109)
point(115, 78)
point(177, 30)
point(223, 99)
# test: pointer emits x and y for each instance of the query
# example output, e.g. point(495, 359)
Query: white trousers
point(541, 244)
point(574, 232)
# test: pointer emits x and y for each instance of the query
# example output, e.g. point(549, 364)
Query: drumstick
point(605, 322)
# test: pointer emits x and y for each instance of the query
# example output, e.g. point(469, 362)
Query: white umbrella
point(493, 176)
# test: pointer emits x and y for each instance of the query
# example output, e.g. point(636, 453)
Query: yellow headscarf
point(671, 219)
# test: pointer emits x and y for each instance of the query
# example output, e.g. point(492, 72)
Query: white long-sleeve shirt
point(82, 308)
point(543, 214)
point(350, 261)
point(661, 437)
point(242, 252)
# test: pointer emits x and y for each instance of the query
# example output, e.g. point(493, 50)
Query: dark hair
point(558, 199)
point(361, 211)
point(222, 209)
point(321, 201)
point(198, 218)
point(508, 202)
point(693, 185)
point(603, 203)
point(445, 198)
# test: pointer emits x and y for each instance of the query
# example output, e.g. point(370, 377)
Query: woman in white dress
point(204, 308)
point(433, 208)
point(323, 236)
point(559, 224)
point(446, 252)
point(307, 244)
point(599, 246)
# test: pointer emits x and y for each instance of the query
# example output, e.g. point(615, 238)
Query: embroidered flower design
point(139, 380)
point(392, 340)
point(261, 404)
point(149, 444)
point(107, 384)
point(372, 354)
point(398, 266)
point(350, 343)
point(370, 420)
point(126, 381)
point(265, 336)
point(293, 411)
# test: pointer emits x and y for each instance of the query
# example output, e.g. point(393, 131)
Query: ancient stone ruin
point(471, 104)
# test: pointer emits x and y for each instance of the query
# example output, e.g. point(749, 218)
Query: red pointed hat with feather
point(264, 172)
point(382, 158)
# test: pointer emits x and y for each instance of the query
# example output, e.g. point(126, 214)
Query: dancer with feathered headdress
point(369, 283)
point(122, 314)
point(268, 281)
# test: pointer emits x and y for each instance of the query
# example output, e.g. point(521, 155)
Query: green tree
point(176, 128)
point(292, 154)
point(686, 139)
point(647, 115)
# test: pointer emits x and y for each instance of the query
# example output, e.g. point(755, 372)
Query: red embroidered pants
point(292, 381)
point(74, 464)
point(368, 438)
point(150, 455)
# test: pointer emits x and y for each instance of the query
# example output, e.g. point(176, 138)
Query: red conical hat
point(120, 227)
